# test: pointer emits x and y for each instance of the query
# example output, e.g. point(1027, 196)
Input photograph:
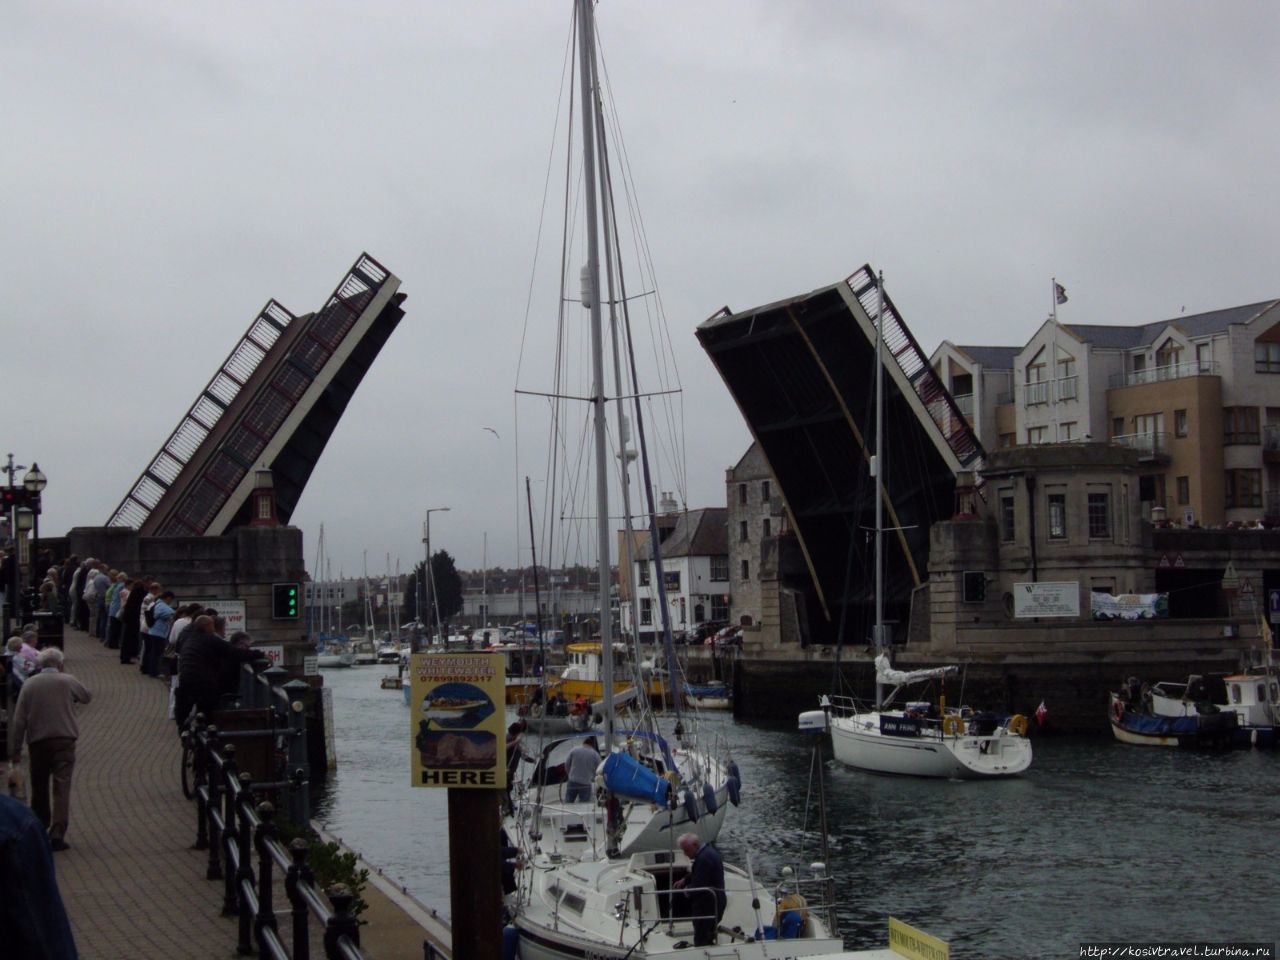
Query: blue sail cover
point(627, 777)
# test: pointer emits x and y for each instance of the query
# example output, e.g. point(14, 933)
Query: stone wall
point(241, 565)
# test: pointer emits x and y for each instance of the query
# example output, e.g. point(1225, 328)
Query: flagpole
point(1053, 297)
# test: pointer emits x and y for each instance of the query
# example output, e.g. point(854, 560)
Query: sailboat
point(331, 651)
point(589, 887)
point(918, 738)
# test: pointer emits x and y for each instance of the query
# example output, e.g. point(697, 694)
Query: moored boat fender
point(734, 784)
point(1018, 725)
point(709, 797)
point(690, 803)
point(1117, 711)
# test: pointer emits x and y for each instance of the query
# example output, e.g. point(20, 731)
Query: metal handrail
point(1170, 371)
point(233, 824)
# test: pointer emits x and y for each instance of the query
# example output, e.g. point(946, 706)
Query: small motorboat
point(1133, 721)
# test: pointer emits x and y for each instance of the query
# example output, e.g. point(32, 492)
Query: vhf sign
point(284, 601)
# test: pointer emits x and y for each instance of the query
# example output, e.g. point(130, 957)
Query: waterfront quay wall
point(1071, 669)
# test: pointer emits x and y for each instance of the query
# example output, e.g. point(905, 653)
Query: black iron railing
point(236, 822)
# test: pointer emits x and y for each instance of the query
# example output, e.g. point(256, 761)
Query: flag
point(1041, 712)
point(1059, 293)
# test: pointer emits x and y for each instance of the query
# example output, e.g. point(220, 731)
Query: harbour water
point(1098, 841)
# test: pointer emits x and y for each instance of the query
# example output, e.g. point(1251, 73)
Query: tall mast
point(877, 469)
point(587, 73)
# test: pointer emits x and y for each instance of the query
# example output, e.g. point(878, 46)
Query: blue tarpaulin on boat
point(628, 777)
point(1160, 726)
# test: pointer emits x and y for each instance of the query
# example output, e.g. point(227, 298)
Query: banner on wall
point(1129, 606)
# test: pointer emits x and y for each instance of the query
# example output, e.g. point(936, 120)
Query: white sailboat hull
point(858, 742)
point(572, 912)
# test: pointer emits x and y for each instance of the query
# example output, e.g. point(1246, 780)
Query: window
point(1184, 490)
point(1117, 427)
point(764, 490)
point(1169, 354)
point(1244, 488)
point(1240, 425)
point(1204, 357)
point(742, 531)
point(1179, 423)
point(646, 611)
point(644, 573)
point(1008, 440)
point(719, 607)
point(1007, 528)
point(746, 569)
point(742, 493)
point(1057, 516)
point(671, 580)
point(1036, 434)
point(719, 569)
point(1099, 516)
point(1266, 357)
point(1139, 362)
point(765, 532)
point(1066, 432)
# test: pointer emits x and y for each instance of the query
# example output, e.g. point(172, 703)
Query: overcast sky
point(169, 167)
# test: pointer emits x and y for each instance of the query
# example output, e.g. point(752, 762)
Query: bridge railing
point(236, 824)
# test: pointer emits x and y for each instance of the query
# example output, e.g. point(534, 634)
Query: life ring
point(1117, 710)
point(1018, 725)
point(952, 725)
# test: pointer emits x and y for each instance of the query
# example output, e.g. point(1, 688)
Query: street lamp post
point(34, 482)
point(426, 561)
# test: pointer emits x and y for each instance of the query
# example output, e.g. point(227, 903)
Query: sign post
point(457, 718)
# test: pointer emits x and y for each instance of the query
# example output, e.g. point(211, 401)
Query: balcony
point(1067, 388)
point(1034, 394)
point(1004, 397)
point(1150, 446)
point(964, 403)
point(1172, 371)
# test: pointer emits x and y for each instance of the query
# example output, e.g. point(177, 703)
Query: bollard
point(299, 873)
point(342, 923)
point(300, 769)
point(244, 868)
point(262, 840)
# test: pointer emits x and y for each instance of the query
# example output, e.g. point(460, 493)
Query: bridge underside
point(802, 371)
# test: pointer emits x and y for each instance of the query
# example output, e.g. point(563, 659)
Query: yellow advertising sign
point(914, 944)
point(457, 720)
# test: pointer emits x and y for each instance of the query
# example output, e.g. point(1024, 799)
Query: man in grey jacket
point(45, 719)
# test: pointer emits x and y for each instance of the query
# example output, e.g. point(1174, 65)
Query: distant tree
point(445, 592)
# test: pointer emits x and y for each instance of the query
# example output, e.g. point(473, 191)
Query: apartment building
point(695, 567)
point(1197, 397)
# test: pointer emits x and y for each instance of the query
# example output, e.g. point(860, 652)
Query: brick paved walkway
point(133, 886)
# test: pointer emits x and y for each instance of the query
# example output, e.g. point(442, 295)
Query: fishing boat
point(583, 674)
point(709, 696)
point(1133, 721)
point(918, 738)
point(1253, 695)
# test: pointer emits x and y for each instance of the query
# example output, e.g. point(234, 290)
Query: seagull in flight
point(491, 430)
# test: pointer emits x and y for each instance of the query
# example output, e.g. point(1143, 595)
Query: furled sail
point(887, 675)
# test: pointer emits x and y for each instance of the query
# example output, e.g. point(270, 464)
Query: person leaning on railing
point(204, 662)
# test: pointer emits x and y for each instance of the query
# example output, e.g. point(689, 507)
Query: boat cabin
point(1254, 697)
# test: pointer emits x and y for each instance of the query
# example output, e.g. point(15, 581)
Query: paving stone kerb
point(133, 886)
